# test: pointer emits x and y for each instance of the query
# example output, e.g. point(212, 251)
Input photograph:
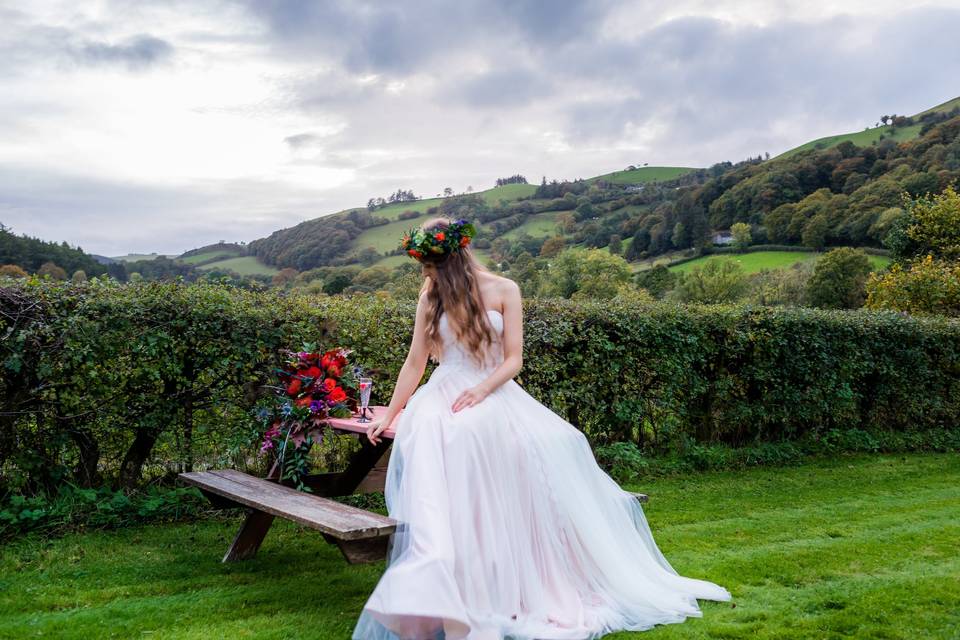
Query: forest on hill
point(60, 260)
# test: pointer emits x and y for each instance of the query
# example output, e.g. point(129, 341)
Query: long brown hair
point(452, 288)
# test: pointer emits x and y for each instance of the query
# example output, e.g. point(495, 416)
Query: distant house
point(722, 237)
point(635, 188)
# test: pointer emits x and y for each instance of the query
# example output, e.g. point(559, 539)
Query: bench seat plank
point(338, 520)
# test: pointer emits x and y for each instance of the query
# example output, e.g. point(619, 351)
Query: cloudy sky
point(138, 126)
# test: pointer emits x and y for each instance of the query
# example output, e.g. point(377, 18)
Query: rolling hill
point(642, 206)
point(872, 135)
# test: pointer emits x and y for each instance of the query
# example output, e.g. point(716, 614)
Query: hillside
point(839, 190)
point(872, 135)
point(30, 254)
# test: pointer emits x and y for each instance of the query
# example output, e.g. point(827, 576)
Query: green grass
point(644, 174)
point(208, 255)
point(538, 225)
point(857, 547)
point(244, 266)
point(759, 260)
point(508, 192)
point(867, 137)
point(863, 138)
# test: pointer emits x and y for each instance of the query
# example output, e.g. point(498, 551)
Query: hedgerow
point(107, 384)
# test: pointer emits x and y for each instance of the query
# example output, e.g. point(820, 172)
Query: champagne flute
point(366, 385)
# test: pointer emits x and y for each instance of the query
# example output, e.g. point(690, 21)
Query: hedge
point(105, 383)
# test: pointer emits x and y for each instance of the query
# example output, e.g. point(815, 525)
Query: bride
point(508, 527)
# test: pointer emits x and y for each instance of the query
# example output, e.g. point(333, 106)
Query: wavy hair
point(452, 288)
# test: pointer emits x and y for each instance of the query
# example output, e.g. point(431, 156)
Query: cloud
point(135, 53)
point(256, 114)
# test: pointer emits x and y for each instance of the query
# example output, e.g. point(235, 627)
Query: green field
point(244, 266)
point(644, 174)
point(858, 547)
point(508, 192)
point(863, 138)
point(538, 225)
point(207, 255)
point(759, 260)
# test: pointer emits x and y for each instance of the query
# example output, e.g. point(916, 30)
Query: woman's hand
point(470, 397)
point(374, 429)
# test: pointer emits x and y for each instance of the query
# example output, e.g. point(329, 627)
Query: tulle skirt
point(510, 530)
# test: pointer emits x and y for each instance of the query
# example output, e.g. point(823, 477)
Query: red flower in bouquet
point(314, 387)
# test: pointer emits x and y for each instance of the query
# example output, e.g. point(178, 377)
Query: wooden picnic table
point(361, 535)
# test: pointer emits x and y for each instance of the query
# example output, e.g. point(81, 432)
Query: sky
point(161, 126)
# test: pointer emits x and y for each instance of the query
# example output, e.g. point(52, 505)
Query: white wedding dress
point(508, 527)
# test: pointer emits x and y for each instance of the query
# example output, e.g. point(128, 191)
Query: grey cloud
point(707, 82)
point(398, 37)
point(501, 88)
point(301, 140)
point(138, 52)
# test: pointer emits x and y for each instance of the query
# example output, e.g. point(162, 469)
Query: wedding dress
point(508, 527)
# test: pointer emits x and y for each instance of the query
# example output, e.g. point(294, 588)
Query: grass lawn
point(244, 266)
point(857, 547)
point(758, 260)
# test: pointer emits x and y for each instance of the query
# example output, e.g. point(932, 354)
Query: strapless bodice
point(456, 355)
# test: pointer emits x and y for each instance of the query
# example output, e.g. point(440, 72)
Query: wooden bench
point(361, 535)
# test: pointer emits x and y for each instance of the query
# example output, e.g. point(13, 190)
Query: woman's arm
point(512, 350)
point(410, 373)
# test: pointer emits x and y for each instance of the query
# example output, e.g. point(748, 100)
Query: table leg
point(249, 537)
point(360, 465)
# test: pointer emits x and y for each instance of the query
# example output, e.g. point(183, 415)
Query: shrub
point(102, 381)
point(715, 281)
point(839, 279)
point(926, 287)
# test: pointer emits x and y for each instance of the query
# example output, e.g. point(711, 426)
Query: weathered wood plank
point(339, 520)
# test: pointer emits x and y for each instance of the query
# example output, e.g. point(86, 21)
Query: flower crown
point(431, 245)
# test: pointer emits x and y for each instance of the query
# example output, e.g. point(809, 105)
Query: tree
point(336, 284)
point(716, 281)
point(615, 245)
point(447, 192)
point(815, 231)
point(79, 276)
point(585, 273)
point(839, 279)
point(552, 247)
point(934, 225)
point(12, 271)
point(657, 281)
point(741, 235)
point(679, 236)
point(51, 270)
point(781, 287)
point(926, 287)
point(284, 277)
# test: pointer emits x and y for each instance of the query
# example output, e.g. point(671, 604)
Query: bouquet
point(313, 387)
